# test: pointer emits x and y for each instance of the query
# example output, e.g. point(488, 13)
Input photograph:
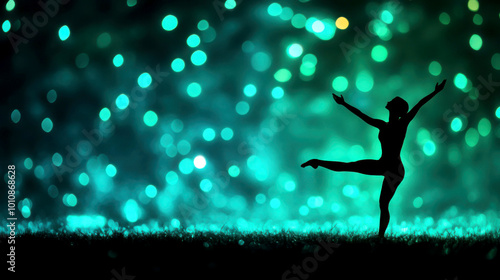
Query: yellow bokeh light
point(342, 23)
point(473, 5)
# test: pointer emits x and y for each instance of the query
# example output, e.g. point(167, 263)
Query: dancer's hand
point(313, 163)
point(339, 100)
point(439, 87)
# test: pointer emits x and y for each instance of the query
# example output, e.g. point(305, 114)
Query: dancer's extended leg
point(366, 166)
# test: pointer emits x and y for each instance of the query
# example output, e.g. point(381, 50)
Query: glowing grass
point(256, 247)
point(452, 226)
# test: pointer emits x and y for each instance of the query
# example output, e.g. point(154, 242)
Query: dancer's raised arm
point(371, 121)
point(411, 114)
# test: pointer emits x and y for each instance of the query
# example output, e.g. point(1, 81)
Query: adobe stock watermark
point(220, 7)
point(221, 179)
point(310, 264)
point(121, 276)
point(40, 19)
point(364, 37)
point(73, 159)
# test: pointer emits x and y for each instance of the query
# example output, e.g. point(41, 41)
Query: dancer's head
point(397, 106)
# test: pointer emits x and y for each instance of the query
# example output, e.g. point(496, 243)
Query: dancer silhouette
point(391, 137)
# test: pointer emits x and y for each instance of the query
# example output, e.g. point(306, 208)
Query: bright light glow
point(418, 202)
point(203, 25)
point(283, 75)
point(456, 124)
point(171, 177)
point(122, 101)
point(227, 133)
point(105, 114)
point(6, 26)
point(64, 33)
point(200, 162)
point(476, 42)
point(198, 58)
point(484, 127)
point(151, 191)
point(471, 137)
point(250, 90)
point(233, 171)
point(208, 134)
point(435, 68)
point(169, 23)
point(318, 26)
point(47, 125)
point(193, 40)
point(178, 65)
point(340, 83)
point(57, 159)
point(342, 23)
point(10, 5)
point(193, 89)
point(70, 200)
point(118, 60)
point(275, 203)
point(473, 5)
point(379, 53)
point(429, 148)
point(277, 93)
point(460, 81)
point(274, 9)
point(230, 4)
point(299, 21)
point(294, 50)
point(144, 80)
point(83, 179)
point(132, 211)
point(111, 170)
point(386, 17)
point(186, 166)
point(206, 185)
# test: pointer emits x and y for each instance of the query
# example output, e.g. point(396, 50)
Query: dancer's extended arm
point(371, 121)
point(411, 114)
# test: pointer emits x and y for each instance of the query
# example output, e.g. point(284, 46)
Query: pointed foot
point(313, 163)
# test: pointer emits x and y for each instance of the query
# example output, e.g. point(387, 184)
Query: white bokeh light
point(200, 162)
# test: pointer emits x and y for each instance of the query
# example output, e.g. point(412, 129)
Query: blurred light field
point(149, 116)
